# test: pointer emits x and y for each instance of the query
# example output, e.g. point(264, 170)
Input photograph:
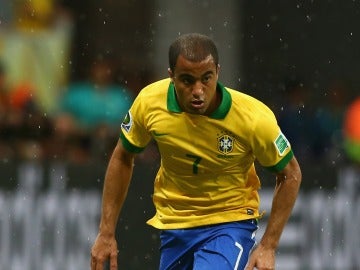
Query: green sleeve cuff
point(282, 164)
point(130, 147)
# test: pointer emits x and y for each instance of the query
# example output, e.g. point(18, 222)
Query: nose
point(198, 89)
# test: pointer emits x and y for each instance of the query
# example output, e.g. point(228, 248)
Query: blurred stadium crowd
point(47, 114)
point(44, 114)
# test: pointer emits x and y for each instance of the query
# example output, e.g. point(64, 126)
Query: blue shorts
point(222, 246)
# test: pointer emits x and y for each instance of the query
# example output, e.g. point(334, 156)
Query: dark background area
point(121, 31)
point(313, 43)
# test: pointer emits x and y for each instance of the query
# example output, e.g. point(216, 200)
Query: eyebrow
point(187, 74)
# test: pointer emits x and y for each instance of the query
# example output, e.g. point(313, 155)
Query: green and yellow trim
point(219, 113)
point(282, 164)
point(128, 146)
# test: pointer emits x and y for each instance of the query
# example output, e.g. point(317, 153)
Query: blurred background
point(69, 71)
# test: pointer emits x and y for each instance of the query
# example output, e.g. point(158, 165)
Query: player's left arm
point(286, 190)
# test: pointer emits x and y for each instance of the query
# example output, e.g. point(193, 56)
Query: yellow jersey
point(207, 173)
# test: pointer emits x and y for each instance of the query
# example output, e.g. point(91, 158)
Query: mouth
point(198, 104)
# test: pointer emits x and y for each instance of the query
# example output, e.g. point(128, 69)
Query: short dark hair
point(194, 47)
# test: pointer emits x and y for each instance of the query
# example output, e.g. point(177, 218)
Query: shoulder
point(155, 89)
point(152, 96)
point(246, 103)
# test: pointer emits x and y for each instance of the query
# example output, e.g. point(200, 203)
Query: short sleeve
point(270, 146)
point(134, 133)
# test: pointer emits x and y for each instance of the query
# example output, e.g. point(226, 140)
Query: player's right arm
point(116, 184)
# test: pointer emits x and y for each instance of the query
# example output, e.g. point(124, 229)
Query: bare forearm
point(117, 180)
point(286, 191)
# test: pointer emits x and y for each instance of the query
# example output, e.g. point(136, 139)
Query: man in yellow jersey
point(206, 189)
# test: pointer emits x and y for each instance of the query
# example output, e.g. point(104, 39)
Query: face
point(195, 85)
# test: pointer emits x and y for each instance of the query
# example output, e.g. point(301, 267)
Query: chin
point(198, 111)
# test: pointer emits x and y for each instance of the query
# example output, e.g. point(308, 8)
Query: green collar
point(219, 113)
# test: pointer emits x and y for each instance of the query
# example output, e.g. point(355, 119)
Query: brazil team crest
point(225, 144)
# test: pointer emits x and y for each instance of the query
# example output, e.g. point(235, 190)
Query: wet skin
point(195, 85)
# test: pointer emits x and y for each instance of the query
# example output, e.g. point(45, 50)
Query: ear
point(171, 74)
point(217, 70)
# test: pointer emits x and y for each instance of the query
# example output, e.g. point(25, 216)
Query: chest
point(202, 144)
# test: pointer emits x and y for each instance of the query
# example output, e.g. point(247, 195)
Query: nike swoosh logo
point(159, 134)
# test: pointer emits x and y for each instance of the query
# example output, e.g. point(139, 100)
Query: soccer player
point(206, 190)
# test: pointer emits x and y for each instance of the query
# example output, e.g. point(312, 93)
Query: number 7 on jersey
point(197, 160)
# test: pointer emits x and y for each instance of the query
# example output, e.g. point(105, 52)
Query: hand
point(262, 258)
point(104, 248)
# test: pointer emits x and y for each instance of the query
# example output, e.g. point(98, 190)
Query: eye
point(187, 80)
point(206, 79)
